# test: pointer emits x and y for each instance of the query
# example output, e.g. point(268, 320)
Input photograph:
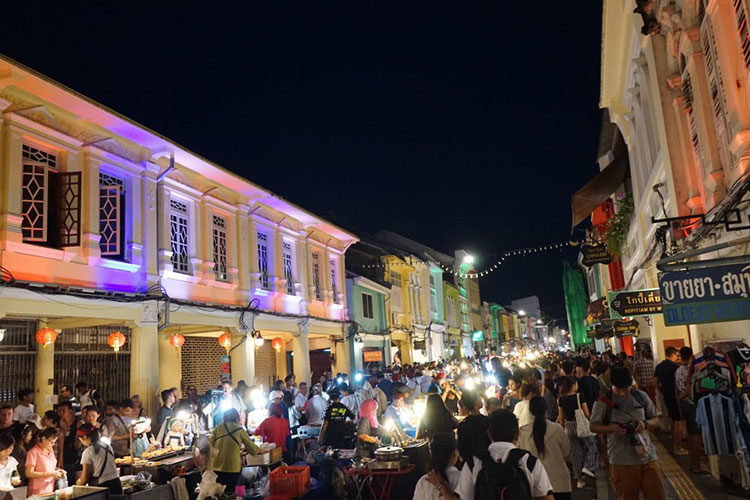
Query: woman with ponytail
point(549, 443)
point(98, 461)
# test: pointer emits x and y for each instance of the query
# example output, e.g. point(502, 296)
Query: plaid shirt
point(643, 372)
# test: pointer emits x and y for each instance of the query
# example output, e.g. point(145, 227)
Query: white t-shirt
point(6, 471)
point(103, 461)
point(538, 479)
point(316, 408)
point(425, 490)
point(523, 414)
point(300, 400)
point(21, 413)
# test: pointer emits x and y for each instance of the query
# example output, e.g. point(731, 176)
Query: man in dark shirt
point(7, 425)
point(386, 386)
point(168, 399)
point(335, 429)
point(665, 373)
point(588, 386)
point(473, 439)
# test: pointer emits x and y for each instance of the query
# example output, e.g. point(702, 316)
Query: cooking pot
point(389, 454)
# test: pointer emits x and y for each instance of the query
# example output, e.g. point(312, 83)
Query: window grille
point(433, 300)
point(395, 279)
point(263, 260)
point(316, 276)
point(334, 288)
point(111, 215)
point(220, 248)
point(367, 308)
point(288, 267)
point(178, 233)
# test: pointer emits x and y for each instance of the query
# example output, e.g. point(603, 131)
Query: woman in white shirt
point(8, 465)
point(442, 480)
point(98, 461)
point(521, 411)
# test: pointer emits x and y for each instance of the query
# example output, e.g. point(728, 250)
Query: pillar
point(144, 365)
point(170, 364)
point(281, 371)
point(301, 351)
point(341, 351)
point(44, 376)
point(243, 360)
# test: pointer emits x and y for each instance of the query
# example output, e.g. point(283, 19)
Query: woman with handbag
point(573, 416)
point(98, 461)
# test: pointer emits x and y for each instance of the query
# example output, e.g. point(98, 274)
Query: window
point(334, 288)
point(395, 278)
point(263, 260)
point(288, 267)
point(178, 235)
point(220, 248)
point(716, 89)
point(367, 309)
point(50, 200)
point(742, 30)
point(433, 300)
point(111, 216)
point(451, 312)
point(316, 275)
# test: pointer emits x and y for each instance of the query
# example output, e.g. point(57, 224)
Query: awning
point(598, 189)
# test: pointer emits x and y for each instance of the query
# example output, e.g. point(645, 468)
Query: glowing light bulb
point(389, 424)
point(490, 392)
point(339, 380)
point(469, 384)
point(225, 405)
point(182, 415)
point(358, 377)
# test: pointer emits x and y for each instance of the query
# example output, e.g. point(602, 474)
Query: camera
point(630, 428)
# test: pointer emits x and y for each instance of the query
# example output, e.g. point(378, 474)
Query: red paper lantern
point(116, 340)
point(225, 341)
point(46, 336)
point(277, 343)
point(176, 340)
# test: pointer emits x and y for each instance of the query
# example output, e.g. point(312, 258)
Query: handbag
point(582, 423)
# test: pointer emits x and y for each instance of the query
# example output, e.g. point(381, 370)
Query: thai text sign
point(372, 356)
point(628, 303)
point(595, 254)
point(708, 295)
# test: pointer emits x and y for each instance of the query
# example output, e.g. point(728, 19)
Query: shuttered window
point(178, 234)
point(263, 260)
point(740, 11)
point(111, 216)
point(219, 241)
point(288, 257)
point(367, 308)
point(316, 276)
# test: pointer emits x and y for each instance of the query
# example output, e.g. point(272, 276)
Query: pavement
point(679, 482)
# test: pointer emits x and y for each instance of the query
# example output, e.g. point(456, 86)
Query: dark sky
point(458, 126)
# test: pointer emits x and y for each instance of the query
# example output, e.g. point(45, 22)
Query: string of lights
point(494, 266)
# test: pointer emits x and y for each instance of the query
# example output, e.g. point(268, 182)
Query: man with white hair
point(316, 406)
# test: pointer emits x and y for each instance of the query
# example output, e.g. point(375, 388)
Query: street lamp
point(539, 322)
point(522, 312)
point(468, 259)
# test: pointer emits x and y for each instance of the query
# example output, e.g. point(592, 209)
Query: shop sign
point(420, 345)
point(628, 303)
point(626, 328)
point(372, 356)
point(708, 295)
point(602, 330)
point(226, 367)
point(595, 254)
point(477, 336)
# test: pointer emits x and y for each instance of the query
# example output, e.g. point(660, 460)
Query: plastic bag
point(209, 487)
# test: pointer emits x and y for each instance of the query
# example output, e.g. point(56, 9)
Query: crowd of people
point(542, 422)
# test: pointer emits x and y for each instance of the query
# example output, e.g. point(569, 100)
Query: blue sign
point(708, 295)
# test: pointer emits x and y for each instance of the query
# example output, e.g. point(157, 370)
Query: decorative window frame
point(365, 305)
point(267, 283)
point(128, 213)
point(289, 264)
point(317, 273)
point(333, 277)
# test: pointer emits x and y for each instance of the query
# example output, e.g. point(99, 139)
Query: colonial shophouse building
point(107, 226)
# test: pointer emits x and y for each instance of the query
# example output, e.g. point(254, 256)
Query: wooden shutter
point(69, 214)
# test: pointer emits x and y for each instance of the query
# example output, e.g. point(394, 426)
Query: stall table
point(161, 470)
point(385, 478)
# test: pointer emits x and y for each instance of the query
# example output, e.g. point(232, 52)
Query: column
point(12, 174)
point(144, 365)
point(149, 223)
point(300, 348)
point(243, 359)
point(341, 350)
point(281, 370)
point(170, 364)
point(164, 247)
point(44, 375)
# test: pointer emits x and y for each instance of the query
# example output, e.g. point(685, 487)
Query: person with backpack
point(442, 479)
point(623, 414)
point(504, 471)
point(98, 461)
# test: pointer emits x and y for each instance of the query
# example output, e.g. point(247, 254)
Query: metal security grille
point(178, 234)
point(220, 248)
point(334, 288)
point(111, 210)
point(263, 260)
point(17, 358)
point(82, 355)
point(288, 273)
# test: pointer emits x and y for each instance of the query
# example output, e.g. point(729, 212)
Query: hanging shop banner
point(374, 356)
point(604, 330)
point(708, 295)
point(595, 254)
point(477, 336)
point(626, 328)
point(226, 367)
point(420, 345)
point(628, 303)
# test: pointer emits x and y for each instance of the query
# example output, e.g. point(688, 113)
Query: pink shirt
point(41, 462)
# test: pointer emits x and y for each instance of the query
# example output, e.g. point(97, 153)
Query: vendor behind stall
point(368, 430)
point(274, 429)
point(227, 439)
point(98, 461)
point(41, 464)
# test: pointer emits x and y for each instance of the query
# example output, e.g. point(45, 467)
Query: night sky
point(457, 126)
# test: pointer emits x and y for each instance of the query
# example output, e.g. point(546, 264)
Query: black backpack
point(505, 480)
